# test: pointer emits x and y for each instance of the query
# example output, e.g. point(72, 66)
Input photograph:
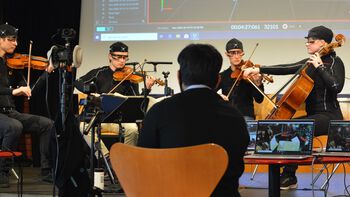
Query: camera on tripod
point(68, 33)
point(63, 54)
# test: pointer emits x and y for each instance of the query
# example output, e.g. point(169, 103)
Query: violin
point(20, 61)
point(127, 74)
point(237, 74)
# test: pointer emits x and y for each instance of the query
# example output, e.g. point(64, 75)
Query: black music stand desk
point(123, 109)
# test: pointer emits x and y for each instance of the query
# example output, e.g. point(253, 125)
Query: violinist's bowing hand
point(150, 80)
point(22, 91)
point(247, 72)
point(315, 60)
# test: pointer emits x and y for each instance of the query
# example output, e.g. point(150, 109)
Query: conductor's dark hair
point(199, 64)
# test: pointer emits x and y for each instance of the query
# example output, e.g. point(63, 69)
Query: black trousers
point(13, 123)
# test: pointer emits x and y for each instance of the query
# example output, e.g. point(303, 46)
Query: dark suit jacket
point(199, 116)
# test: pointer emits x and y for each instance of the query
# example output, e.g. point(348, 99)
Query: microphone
point(50, 55)
point(77, 56)
point(156, 63)
point(131, 63)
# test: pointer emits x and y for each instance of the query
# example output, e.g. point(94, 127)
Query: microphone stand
point(167, 90)
point(156, 63)
point(145, 90)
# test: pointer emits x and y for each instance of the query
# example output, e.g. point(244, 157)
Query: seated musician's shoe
point(4, 179)
point(288, 182)
point(46, 175)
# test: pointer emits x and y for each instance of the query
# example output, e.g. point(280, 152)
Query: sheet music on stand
point(118, 108)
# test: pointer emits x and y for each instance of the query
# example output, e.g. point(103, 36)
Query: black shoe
point(4, 180)
point(288, 182)
point(46, 175)
point(48, 178)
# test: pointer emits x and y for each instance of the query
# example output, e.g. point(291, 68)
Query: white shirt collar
point(196, 86)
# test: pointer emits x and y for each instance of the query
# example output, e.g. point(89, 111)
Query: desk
point(275, 164)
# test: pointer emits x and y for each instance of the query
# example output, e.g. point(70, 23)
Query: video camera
point(63, 54)
point(68, 33)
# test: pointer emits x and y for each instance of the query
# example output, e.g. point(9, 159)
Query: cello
point(301, 87)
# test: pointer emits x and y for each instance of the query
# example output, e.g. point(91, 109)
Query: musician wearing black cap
point(12, 122)
point(243, 94)
point(328, 74)
point(103, 81)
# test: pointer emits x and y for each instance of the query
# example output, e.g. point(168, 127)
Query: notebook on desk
point(338, 141)
point(252, 126)
point(284, 139)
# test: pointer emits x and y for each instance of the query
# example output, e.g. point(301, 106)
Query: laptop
point(284, 139)
point(338, 141)
point(252, 126)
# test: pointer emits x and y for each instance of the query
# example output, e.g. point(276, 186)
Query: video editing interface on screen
point(252, 126)
point(289, 137)
point(339, 136)
point(220, 19)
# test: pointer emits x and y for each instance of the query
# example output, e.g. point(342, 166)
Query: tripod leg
point(254, 172)
point(319, 174)
point(330, 176)
point(109, 171)
point(14, 173)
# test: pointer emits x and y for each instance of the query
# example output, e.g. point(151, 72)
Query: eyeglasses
point(119, 57)
point(11, 39)
point(233, 53)
point(310, 41)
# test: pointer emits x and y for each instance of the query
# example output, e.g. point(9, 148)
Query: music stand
point(125, 109)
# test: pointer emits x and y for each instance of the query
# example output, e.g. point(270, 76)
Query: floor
point(33, 186)
point(258, 186)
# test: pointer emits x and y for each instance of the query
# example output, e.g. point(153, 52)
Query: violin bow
point(29, 63)
point(115, 87)
point(240, 74)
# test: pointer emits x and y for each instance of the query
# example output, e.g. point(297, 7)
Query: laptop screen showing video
point(284, 137)
point(252, 126)
point(338, 136)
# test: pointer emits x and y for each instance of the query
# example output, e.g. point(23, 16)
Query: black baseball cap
point(320, 32)
point(7, 30)
point(234, 44)
point(118, 47)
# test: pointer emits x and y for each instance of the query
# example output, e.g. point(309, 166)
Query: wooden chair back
point(184, 171)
